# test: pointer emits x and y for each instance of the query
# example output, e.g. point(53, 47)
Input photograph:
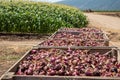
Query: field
point(13, 47)
point(33, 17)
point(16, 46)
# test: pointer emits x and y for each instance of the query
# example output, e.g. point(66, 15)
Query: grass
point(9, 55)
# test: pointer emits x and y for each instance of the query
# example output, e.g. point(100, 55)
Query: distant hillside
point(93, 4)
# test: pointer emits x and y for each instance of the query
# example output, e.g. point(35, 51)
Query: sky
point(48, 0)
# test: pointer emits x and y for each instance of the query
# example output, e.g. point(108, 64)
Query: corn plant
point(37, 17)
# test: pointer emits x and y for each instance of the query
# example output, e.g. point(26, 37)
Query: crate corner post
point(119, 55)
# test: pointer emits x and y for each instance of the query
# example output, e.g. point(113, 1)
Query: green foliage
point(34, 17)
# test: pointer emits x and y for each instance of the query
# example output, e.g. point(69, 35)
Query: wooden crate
point(63, 29)
point(105, 38)
point(69, 42)
point(77, 33)
point(10, 74)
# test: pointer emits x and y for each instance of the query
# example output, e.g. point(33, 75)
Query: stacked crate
point(77, 37)
point(65, 42)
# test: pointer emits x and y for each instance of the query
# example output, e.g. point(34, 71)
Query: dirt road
point(103, 21)
point(109, 24)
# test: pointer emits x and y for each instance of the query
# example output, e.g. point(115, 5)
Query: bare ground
point(115, 14)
